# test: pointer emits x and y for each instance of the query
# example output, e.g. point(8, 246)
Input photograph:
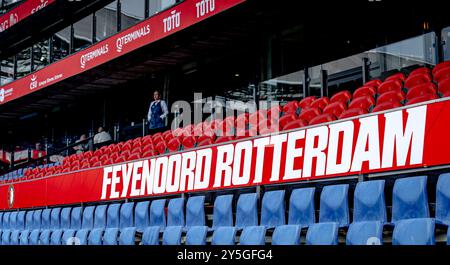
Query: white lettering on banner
point(39, 7)
point(130, 37)
point(172, 22)
point(33, 82)
point(204, 7)
point(84, 59)
point(339, 148)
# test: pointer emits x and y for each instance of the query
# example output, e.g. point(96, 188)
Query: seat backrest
point(175, 215)
point(88, 218)
point(286, 235)
point(322, 234)
point(195, 211)
point(273, 208)
point(223, 211)
point(65, 217)
point(301, 207)
point(20, 222)
point(443, 199)
point(6, 220)
point(247, 210)
point(37, 214)
point(142, 215)
point(110, 237)
point(334, 205)
point(95, 236)
point(55, 221)
point(1, 220)
point(76, 217)
point(100, 216)
point(418, 231)
point(150, 236)
point(410, 199)
point(196, 235)
point(46, 218)
point(13, 220)
point(224, 235)
point(127, 215)
point(157, 213)
point(365, 233)
point(253, 235)
point(369, 203)
point(113, 215)
point(172, 235)
point(127, 236)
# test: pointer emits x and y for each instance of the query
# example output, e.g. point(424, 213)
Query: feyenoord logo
point(11, 196)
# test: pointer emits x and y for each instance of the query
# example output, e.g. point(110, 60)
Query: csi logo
point(11, 196)
point(33, 83)
point(2, 95)
point(173, 21)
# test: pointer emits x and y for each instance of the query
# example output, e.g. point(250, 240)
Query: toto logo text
point(84, 59)
point(173, 21)
point(204, 7)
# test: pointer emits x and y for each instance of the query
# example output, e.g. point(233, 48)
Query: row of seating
point(144, 222)
point(421, 84)
point(19, 173)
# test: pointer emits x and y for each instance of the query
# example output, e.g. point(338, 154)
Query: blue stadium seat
point(112, 217)
point(142, 216)
point(6, 220)
point(322, 234)
point(1, 220)
point(301, 207)
point(286, 235)
point(44, 237)
point(253, 235)
point(410, 199)
point(247, 210)
point(127, 236)
point(88, 218)
point(55, 221)
point(13, 220)
point(175, 215)
point(100, 216)
point(15, 234)
point(24, 237)
point(6, 237)
point(76, 217)
point(55, 237)
point(369, 203)
point(334, 205)
point(82, 235)
point(65, 217)
point(224, 235)
point(126, 215)
point(365, 233)
point(273, 209)
point(68, 237)
point(195, 211)
point(34, 237)
point(157, 213)
point(443, 199)
point(172, 235)
point(20, 222)
point(196, 235)
point(37, 214)
point(95, 236)
point(151, 235)
point(419, 231)
point(110, 236)
point(223, 211)
point(46, 217)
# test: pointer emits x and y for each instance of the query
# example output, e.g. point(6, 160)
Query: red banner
point(155, 28)
point(402, 139)
point(22, 11)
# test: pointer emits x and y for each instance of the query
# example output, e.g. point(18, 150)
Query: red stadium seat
point(320, 103)
point(309, 114)
point(148, 147)
point(390, 85)
point(174, 145)
point(166, 133)
point(149, 153)
point(363, 102)
point(387, 106)
point(88, 154)
point(287, 118)
point(206, 141)
point(120, 159)
point(420, 90)
point(241, 134)
point(444, 86)
point(420, 70)
point(423, 98)
point(98, 152)
point(134, 156)
point(440, 66)
point(306, 102)
point(224, 139)
point(267, 126)
point(157, 137)
point(323, 118)
point(85, 165)
point(104, 157)
point(336, 108)
point(299, 123)
point(226, 127)
point(398, 76)
point(189, 142)
point(205, 137)
point(291, 107)
point(343, 96)
point(373, 83)
point(161, 147)
point(274, 112)
point(125, 154)
point(177, 132)
point(364, 91)
point(96, 164)
point(65, 170)
point(136, 144)
point(126, 147)
point(353, 112)
point(393, 96)
point(94, 159)
point(416, 80)
point(258, 116)
point(442, 74)
point(136, 150)
point(114, 155)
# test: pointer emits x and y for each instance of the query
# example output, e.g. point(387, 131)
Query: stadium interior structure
point(255, 51)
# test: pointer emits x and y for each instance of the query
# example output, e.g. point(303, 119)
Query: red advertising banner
point(402, 139)
point(22, 11)
point(168, 22)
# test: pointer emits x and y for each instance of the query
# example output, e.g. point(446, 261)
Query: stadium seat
point(386, 106)
point(323, 118)
point(247, 210)
point(365, 233)
point(150, 236)
point(76, 218)
point(55, 221)
point(442, 74)
point(388, 86)
point(306, 102)
point(13, 220)
point(421, 90)
point(37, 214)
point(44, 237)
point(195, 211)
point(369, 203)
point(157, 214)
point(127, 236)
point(399, 77)
point(46, 219)
point(142, 215)
point(291, 107)
point(391, 96)
point(419, 231)
point(301, 207)
point(175, 213)
point(24, 237)
point(352, 113)
point(334, 205)
point(364, 91)
point(126, 215)
point(172, 235)
point(286, 235)
point(15, 234)
point(196, 235)
point(174, 145)
point(320, 103)
point(224, 235)
point(440, 66)
point(443, 200)
point(82, 235)
point(344, 97)
point(88, 218)
point(110, 237)
point(20, 222)
point(65, 217)
point(189, 142)
point(417, 79)
point(223, 211)
point(299, 123)
point(322, 234)
point(273, 209)
point(35, 237)
point(409, 199)
point(420, 70)
point(56, 236)
point(95, 236)
point(68, 237)
point(373, 83)
point(335, 108)
point(426, 97)
point(100, 216)
point(286, 119)
point(253, 235)
point(309, 114)
point(362, 102)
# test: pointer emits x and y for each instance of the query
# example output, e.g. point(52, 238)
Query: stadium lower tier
point(185, 222)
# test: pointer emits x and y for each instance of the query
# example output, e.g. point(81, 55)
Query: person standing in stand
point(157, 114)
